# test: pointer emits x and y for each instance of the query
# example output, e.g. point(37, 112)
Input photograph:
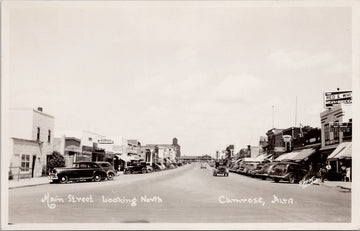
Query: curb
point(28, 185)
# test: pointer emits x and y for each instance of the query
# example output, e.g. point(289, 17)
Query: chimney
point(40, 109)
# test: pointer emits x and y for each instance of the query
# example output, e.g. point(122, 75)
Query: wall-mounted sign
point(337, 97)
point(105, 141)
point(287, 138)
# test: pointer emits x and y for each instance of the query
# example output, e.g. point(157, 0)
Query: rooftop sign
point(337, 97)
point(105, 141)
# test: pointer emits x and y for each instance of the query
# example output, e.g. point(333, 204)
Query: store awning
point(287, 156)
point(305, 153)
point(263, 157)
point(72, 148)
point(342, 151)
point(123, 157)
point(135, 157)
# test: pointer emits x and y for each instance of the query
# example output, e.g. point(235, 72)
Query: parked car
point(157, 167)
point(110, 171)
point(264, 172)
point(137, 168)
point(253, 172)
point(288, 171)
point(248, 167)
point(203, 165)
point(79, 171)
point(221, 168)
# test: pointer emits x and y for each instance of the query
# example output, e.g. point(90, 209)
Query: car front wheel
point(97, 177)
point(292, 179)
point(111, 176)
point(64, 179)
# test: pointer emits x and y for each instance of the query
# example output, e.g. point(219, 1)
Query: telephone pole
point(273, 115)
point(296, 111)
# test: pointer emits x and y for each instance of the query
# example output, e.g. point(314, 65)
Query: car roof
point(287, 162)
point(83, 162)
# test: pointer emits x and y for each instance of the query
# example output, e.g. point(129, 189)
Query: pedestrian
point(343, 173)
point(348, 174)
point(322, 172)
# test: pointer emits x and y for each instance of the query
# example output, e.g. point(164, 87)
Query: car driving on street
point(221, 168)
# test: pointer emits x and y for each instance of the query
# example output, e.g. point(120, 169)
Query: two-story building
point(31, 144)
point(336, 136)
point(275, 142)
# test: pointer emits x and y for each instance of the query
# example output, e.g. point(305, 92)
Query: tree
point(56, 160)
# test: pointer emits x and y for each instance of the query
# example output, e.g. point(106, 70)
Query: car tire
point(292, 179)
point(276, 180)
point(63, 179)
point(97, 177)
point(111, 176)
point(143, 171)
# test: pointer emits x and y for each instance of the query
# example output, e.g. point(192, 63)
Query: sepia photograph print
point(179, 115)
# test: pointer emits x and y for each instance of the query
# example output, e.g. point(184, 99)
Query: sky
point(209, 76)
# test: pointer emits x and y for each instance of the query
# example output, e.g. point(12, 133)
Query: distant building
point(164, 153)
point(32, 139)
point(275, 142)
point(81, 146)
point(263, 144)
point(195, 158)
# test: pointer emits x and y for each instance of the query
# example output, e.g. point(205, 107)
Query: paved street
point(185, 194)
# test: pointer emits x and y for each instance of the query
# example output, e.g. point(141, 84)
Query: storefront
point(340, 160)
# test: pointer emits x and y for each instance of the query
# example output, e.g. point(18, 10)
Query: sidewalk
point(28, 182)
point(335, 184)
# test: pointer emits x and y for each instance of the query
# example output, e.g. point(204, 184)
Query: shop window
point(336, 130)
point(327, 132)
point(25, 163)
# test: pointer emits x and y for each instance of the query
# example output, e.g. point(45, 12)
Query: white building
point(31, 141)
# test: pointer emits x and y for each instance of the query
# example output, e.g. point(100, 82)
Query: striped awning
point(287, 156)
point(342, 151)
point(304, 154)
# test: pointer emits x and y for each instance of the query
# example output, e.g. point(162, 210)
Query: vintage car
point(255, 171)
point(157, 167)
point(141, 167)
point(287, 171)
point(264, 172)
point(110, 171)
point(79, 171)
point(221, 168)
point(203, 165)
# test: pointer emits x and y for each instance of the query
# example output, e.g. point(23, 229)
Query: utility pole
point(296, 111)
point(273, 116)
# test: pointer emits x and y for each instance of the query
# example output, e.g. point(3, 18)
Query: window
point(38, 134)
point(90, 139)
point(327, 132)
point(49, 136)
point(25, 163)
point(83, 165)
point(336, 130)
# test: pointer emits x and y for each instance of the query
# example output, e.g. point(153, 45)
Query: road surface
point(186, 194)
